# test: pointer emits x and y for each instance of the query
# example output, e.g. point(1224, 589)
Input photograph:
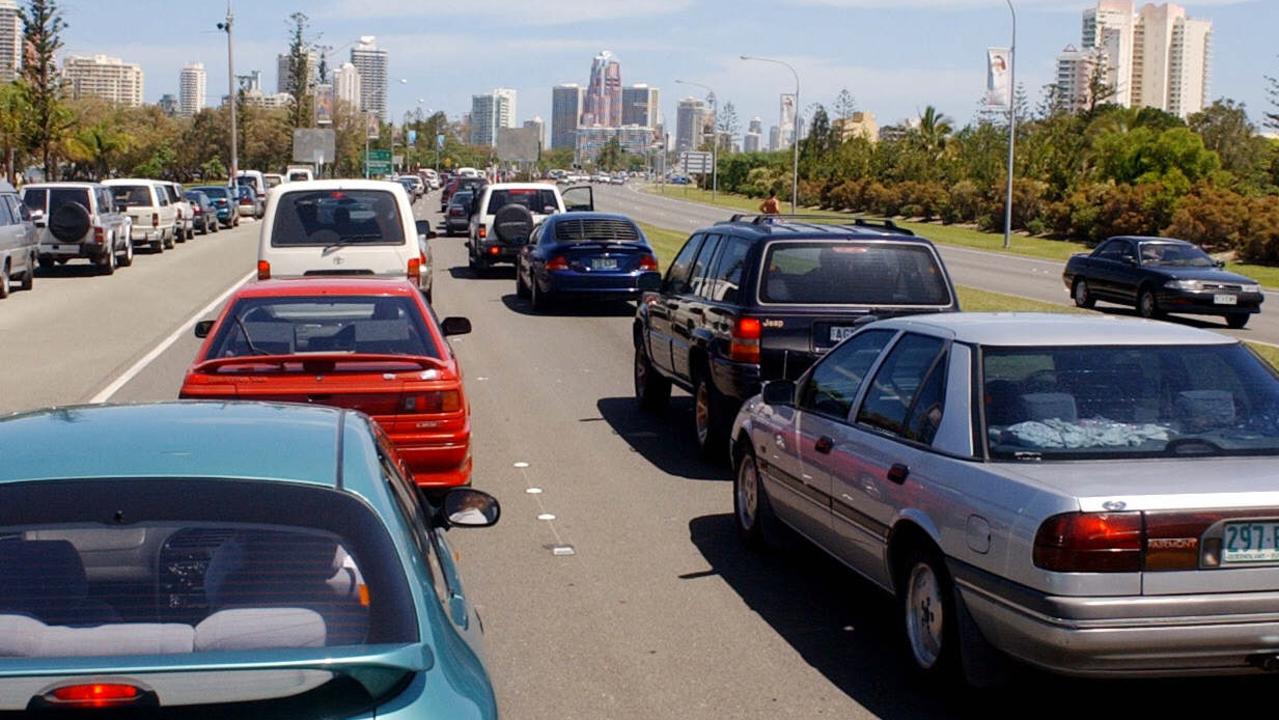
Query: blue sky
point(895, 56)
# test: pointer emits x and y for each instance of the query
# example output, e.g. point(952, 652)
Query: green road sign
point(378, 167)
point(377, 156)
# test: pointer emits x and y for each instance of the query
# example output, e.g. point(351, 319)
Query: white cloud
point(543, 12)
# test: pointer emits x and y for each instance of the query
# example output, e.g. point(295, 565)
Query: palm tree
point(934, 132)
point(14, 114)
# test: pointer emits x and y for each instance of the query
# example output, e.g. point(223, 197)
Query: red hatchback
point(368, 345)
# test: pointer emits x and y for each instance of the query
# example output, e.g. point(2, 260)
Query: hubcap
point(747, 494)
point(703, 413)
point(1081, 293)
point(924, 619)
point(1147, 305)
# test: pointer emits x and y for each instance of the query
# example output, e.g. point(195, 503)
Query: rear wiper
point(352, 240)
point(239, 322)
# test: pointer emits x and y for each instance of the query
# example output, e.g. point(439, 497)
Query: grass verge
point(665, 242)
point(947, 234)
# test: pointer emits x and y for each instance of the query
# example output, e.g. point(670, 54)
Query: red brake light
point(94, 695)
point(744, 344)
point(441, 401)
point(482, 232)
point(99, 235)
point(415, 269)
point(1091, 543)
point(155, 219)
point(648, 263)
point(558, 262)
point(264, 270)
point(495, 250)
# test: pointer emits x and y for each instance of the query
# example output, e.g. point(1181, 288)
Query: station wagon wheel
point(707, 420)
point(1083, 298)
point(926, 597)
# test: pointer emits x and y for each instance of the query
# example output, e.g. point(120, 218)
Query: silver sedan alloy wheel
point(747, 494)
point(924, 615)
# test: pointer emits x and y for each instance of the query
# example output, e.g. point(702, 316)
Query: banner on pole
point(374, 126)
point(324, 105)
point(998, 81)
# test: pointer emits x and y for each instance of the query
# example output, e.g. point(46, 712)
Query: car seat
point(45, 579)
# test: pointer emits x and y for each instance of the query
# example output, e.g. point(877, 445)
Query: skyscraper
point(10, 41)
point(283, 71)
point(192, 85)
point(566, 115)
point(489, 112)
point(1075, 69)
point(105, 77)
point(505, 108)
point(774, 138)
point(604, 92)
point(346, 85)
point(1109, 30)
point(372, 65)
point(641, 105)
point(690, 124)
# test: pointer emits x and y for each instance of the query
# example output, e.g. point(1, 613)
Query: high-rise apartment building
point(105, 77)
point(10, 41)
point(603, 104)
point(690, 124)
point(283, 70)
point(753, 140)
point(192, 86)
point(346, 85)
point(489, 112)
point(641, 105)
point(774, 138)
point(373, 65)
point(1154, 56)
point(566, 115)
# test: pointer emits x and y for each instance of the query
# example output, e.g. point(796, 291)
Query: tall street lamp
point(230, 72)
point(714, 100)
point(794, 188)
point(1012, 127)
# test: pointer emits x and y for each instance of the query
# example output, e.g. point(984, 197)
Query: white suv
point(491, 243)
point(344, 227)
point(185, 212)
point(154, 216)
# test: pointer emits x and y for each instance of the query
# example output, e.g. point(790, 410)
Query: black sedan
point(1159, 276)
point(584, 255)
point(457, 219)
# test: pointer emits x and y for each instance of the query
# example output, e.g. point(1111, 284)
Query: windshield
point(131, 195)
point(1175, 255)
point(848, 273)
point(250, 566)
point(461, 199)
point(337, 217)
point(295, 325)
point(536, 200)
point(1090, 402)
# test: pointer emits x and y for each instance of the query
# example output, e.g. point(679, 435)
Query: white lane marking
point(164, 345)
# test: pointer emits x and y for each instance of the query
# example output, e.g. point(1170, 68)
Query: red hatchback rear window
point(322, 324)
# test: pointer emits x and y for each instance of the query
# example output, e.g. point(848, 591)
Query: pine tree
point(299, 86)
point(1272, 92)
point(42, 28)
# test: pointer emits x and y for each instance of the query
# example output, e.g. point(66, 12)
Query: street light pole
point(714, 99)
point(1012, 128)
point(230, 71)
point(794, 189)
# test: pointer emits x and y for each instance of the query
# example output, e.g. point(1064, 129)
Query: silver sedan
point(1092, 496)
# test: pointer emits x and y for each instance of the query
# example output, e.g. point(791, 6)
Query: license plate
point(1225, 299)
point(604, 263)
point(1250, 542)
point(840, 334)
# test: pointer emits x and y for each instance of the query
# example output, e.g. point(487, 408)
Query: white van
point(254, 179)
point(344, 227)
point(300, 174)
point(468, 172)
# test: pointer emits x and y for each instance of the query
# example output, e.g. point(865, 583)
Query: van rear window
point(324, 218)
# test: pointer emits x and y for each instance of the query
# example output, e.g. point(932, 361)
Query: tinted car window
point(698, 279)
point(1088, 402)
point(726, 276)
point(216, 192)
point(900, 379)
point(132, 195)
point(303, 567)
point(20, 211)
point(677, 276)
point(287, 326)
point(1175, 255)
point(846, 273)
point(34, 198)
point(61, 196)
point(535, 200)
point(337, 217)
point(575, 230)
point(461, 199)
point(833, 386)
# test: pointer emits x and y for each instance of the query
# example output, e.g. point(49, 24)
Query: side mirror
point(550, 210)
point(1220, 263)
point(650, 282)
point(37, 216)
point(452, 326)
point(467, 508)
point(424, 228)
point(203, 328)
point(779, 393)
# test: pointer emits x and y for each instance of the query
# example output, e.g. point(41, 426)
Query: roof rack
point(882, 224)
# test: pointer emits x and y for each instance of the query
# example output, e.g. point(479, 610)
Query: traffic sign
point(695, 163)
point(377, 167)
point(378, 155)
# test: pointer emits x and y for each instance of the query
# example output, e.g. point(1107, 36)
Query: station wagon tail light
point(482, 232)
point(415, 269)
point(648, 263)
point(442, 401)
point(264, 270)
point(1091, 543)
point(559, 262)
point(744, 345)
point(495, 250)
point(155, 219)
point(93, 695)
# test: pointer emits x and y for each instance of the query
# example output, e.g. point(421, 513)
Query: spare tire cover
point(70, 222)
point(513, 224)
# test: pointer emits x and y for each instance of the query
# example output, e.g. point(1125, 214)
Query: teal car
point(229, 560)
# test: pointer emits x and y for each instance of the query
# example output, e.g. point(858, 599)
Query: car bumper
point(146, 235)
point(458, 225)
point(737, 381)
point(1204, 303)
point(246, 210)
point(601, 286)
point(436, 459)
point(502, 254)
point(71, 250)
point(1136, 636)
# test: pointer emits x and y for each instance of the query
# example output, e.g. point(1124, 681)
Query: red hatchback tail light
point(433, 403)
point(1091, 543)
point(744, 344)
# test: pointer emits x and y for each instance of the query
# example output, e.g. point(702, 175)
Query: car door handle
point(824, 445)
point(898, 473)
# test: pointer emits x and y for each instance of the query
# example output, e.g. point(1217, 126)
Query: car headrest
point(1050, 406)
point(40, 572)
point(268, 568)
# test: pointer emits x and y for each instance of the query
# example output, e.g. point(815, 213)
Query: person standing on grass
point(771, 206)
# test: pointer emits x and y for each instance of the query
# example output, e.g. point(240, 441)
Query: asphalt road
point(996, 272)
point(658, 613)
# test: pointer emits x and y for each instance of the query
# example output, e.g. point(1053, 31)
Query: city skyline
point(888, 75)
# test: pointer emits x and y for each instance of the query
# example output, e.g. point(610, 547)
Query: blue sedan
point(171, 558)
point(585, 255)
